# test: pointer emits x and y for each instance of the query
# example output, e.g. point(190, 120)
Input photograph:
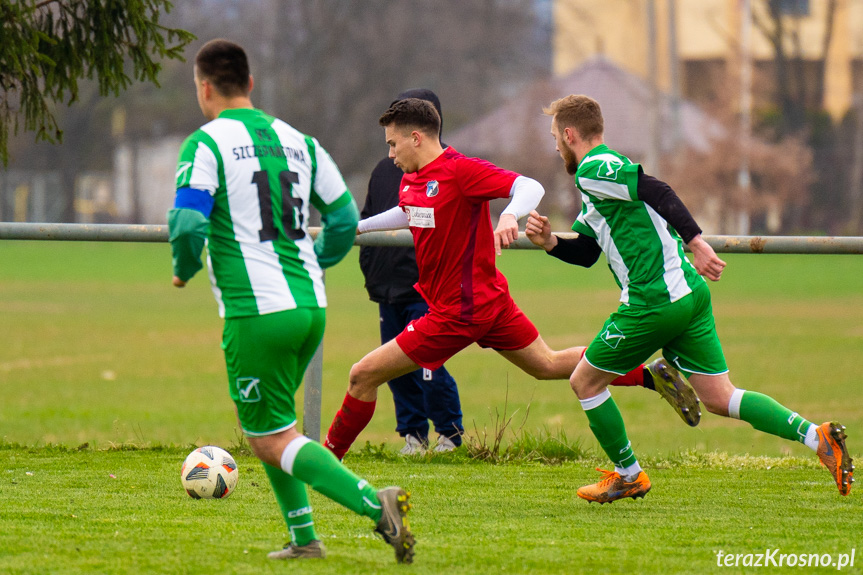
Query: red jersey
point(447, 207)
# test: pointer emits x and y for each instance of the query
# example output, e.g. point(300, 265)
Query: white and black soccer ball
point(209, 472)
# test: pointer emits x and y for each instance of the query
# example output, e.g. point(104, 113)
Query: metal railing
point(402, 238)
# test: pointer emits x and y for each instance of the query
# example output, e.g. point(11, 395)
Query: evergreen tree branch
point(47, 46)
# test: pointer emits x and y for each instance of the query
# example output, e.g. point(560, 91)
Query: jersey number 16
point(292, 208)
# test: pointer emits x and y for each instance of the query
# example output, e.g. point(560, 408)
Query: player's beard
point(569, 160)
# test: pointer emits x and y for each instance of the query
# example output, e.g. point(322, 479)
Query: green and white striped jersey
point(644, 253)
point(262, 174)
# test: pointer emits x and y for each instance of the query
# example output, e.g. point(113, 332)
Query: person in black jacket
point(390, 275)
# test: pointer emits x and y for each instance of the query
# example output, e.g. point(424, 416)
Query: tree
point(792, 82)
point(345, 60)
point(781, 170)
point(47, 46)
point(799, 87)
point(329, 67)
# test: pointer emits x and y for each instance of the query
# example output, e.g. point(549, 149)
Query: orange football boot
point(613, 487)
point(834, 456)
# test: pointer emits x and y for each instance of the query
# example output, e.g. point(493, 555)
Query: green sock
point(294, 502)
point(316, 466)
point(766, 414)
point(607, 425)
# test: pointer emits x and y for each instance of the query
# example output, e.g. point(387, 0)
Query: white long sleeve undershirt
point(393, 219)
point(526, 194)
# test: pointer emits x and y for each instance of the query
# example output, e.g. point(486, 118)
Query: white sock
point(630, 472)
point(811, 439)
point(596, 400)
point(734, 403)
point(290, 453)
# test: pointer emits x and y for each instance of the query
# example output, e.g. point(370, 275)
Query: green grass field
point(97, 348)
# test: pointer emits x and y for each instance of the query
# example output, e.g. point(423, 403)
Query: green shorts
point(683, 330)
point(267, 356)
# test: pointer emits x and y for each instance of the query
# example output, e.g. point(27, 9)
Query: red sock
point(633, 378)
point(351, 419)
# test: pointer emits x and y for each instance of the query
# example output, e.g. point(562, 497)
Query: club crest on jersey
point(263, 135)
point(431, 188)
point(608, 169)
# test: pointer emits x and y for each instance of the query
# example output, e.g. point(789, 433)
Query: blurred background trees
point(49, 46)
point(330, 67)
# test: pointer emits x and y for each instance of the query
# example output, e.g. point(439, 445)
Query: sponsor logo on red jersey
point(420, 217)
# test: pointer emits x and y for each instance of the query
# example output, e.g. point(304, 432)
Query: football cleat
point(314, 549)
point(393, 525)
point(613, 487)
point(675, 390)
point(834, 455)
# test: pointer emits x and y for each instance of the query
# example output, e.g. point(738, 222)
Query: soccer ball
point(209, 472)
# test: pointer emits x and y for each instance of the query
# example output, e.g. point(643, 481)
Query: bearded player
point(444, 200)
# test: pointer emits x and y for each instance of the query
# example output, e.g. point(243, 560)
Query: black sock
point(648, 379)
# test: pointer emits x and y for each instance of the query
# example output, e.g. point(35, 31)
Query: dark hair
point(428, 96)
point(412, 113)
point(579, 112)
point(224, 64)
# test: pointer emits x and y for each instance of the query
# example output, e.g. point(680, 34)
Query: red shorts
point(432, 339)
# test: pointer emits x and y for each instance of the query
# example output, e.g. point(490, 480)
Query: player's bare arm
point(705, 260)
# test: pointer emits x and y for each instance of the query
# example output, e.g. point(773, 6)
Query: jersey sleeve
point(328, 186)
point(581, 251)
point(659, 196)
point(581, 227)
point(481, 180)
point(198, 166)
point(337, 236)
point(187, 230)
point(197, 179)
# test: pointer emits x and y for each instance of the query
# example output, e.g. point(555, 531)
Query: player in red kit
point(443, 199)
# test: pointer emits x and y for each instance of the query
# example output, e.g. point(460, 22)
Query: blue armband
point(194, 199)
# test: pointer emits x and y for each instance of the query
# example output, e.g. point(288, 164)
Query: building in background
point(783, 85)
point(516, 134)
point(704, 38)
point(745, 106)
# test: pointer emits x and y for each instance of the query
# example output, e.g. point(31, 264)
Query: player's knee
point(361, 378)
point(714, 394)
point(266, 450)
point(357, 375)
point(574, 384)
